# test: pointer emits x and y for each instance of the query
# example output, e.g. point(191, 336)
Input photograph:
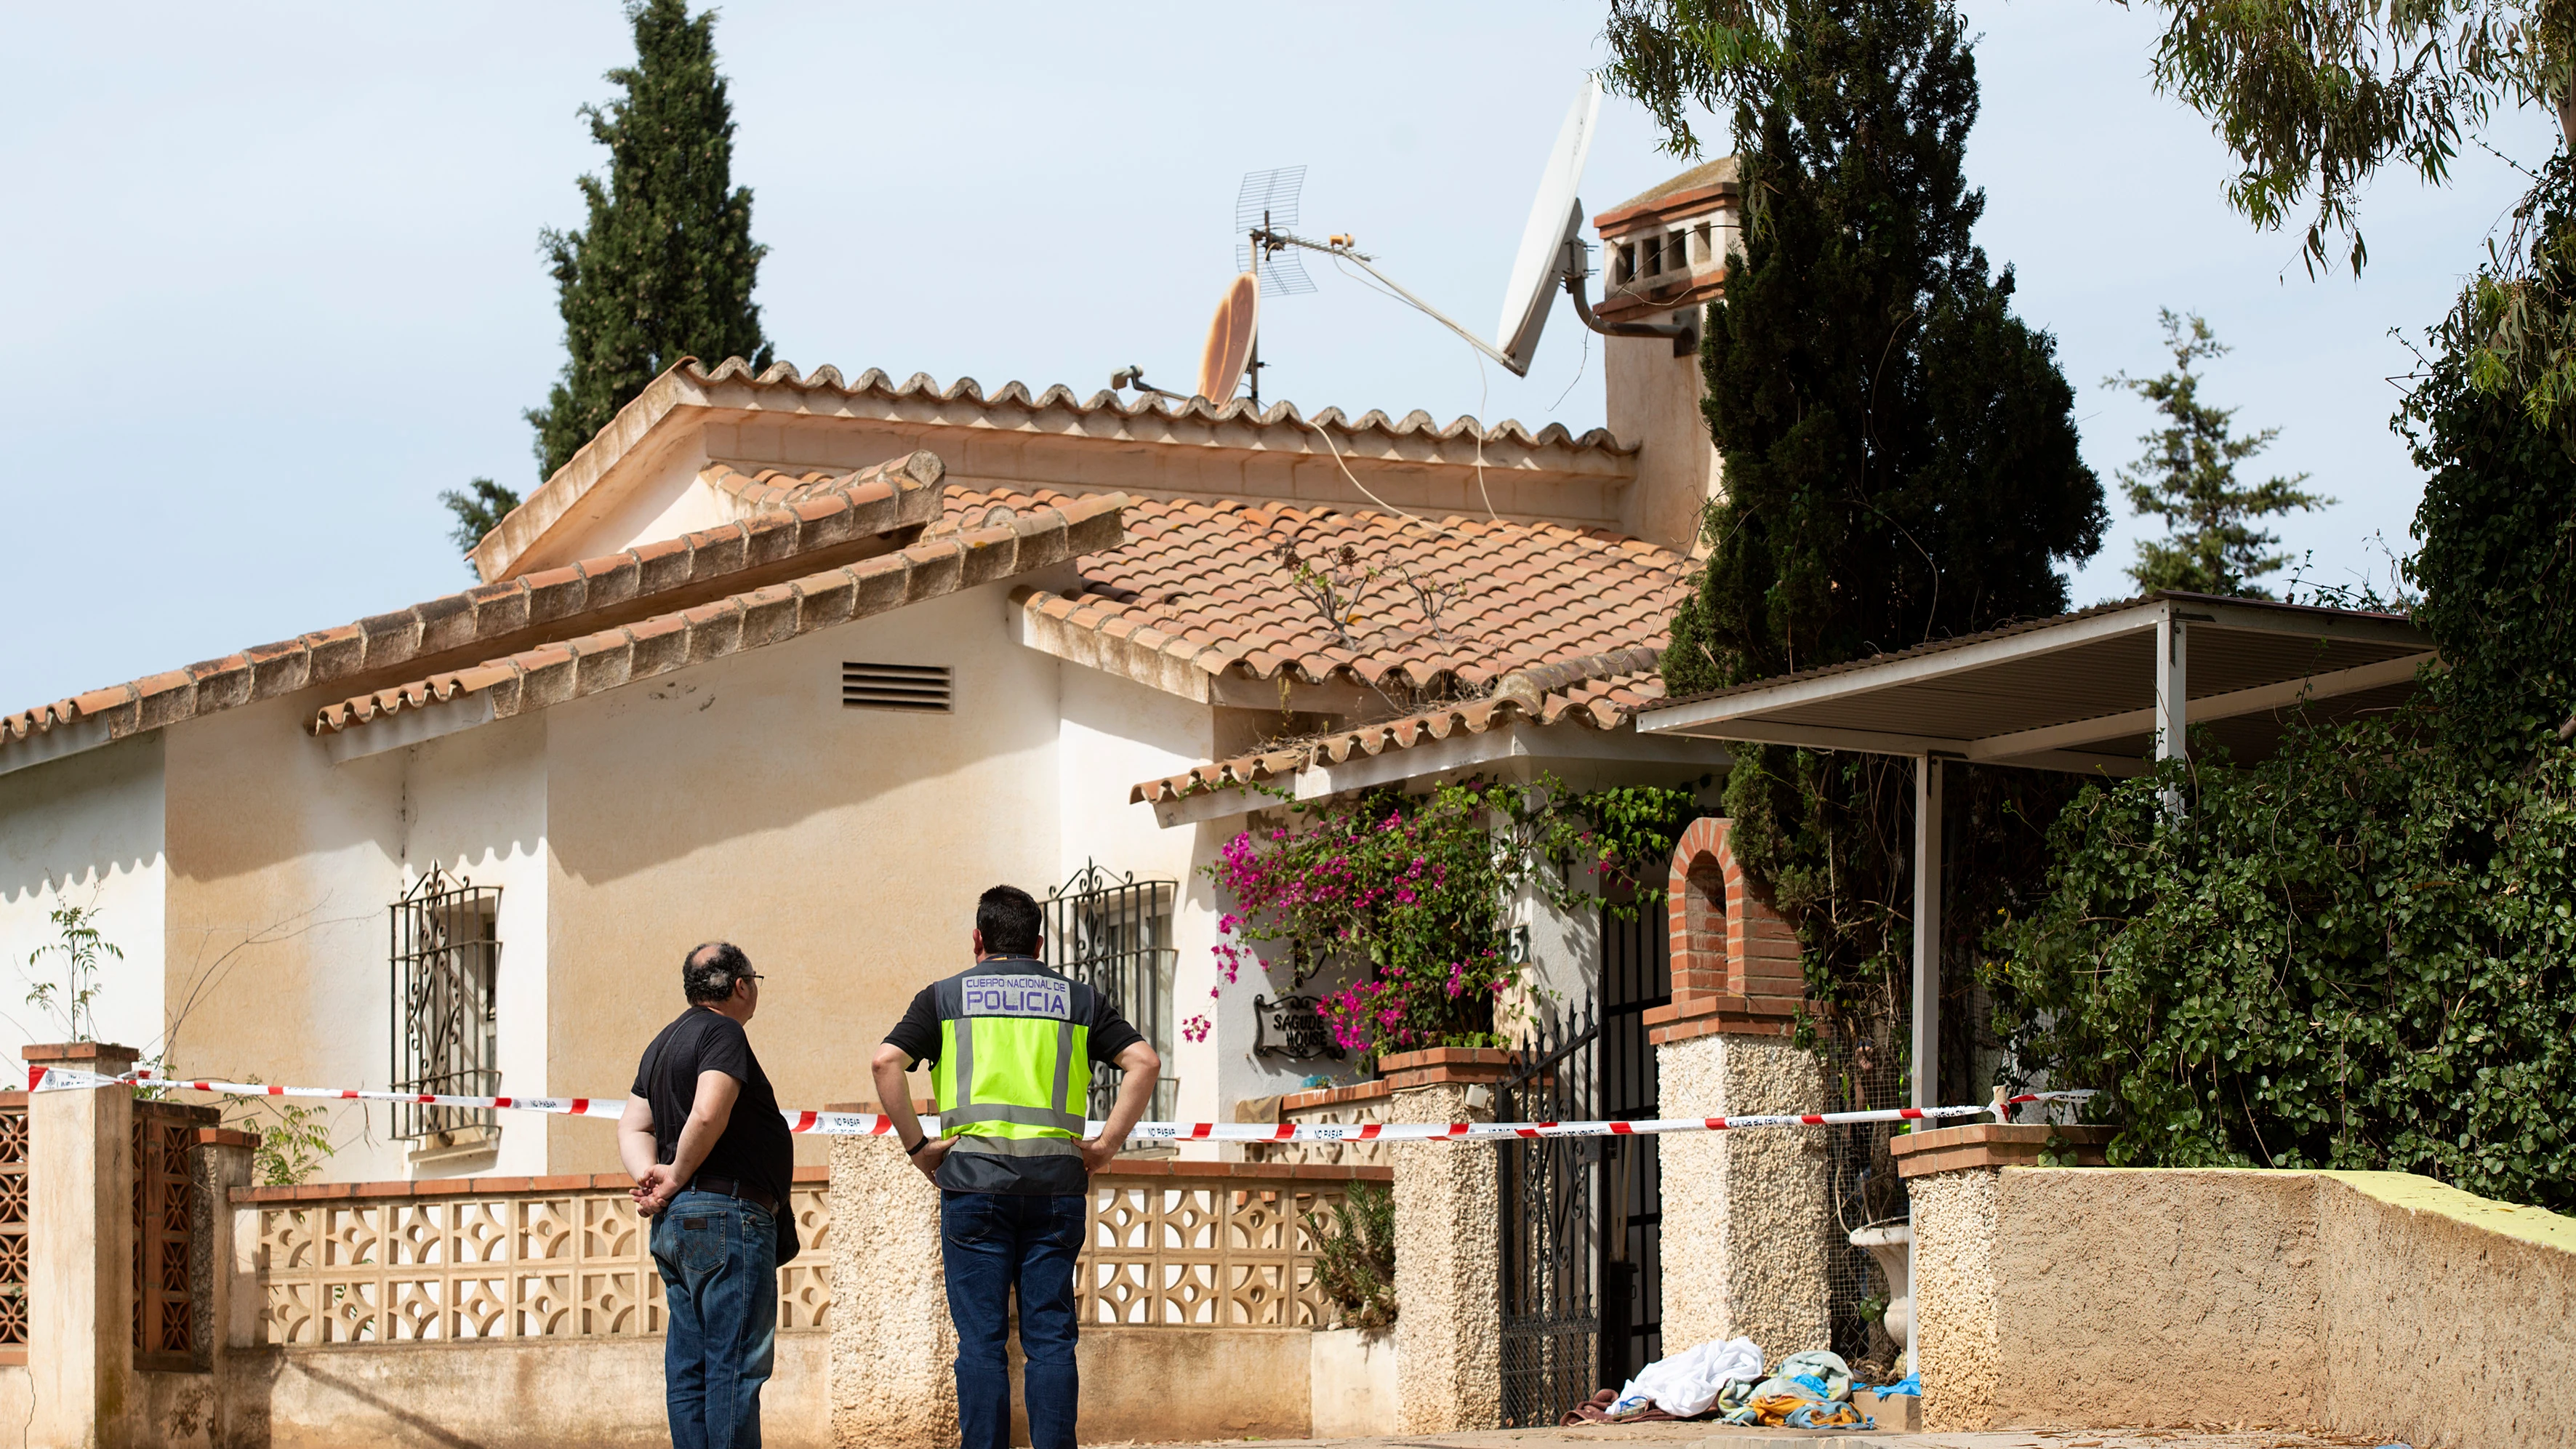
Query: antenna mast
point(1266, 200)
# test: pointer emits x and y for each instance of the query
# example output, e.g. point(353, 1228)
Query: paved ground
point(1714, 1436)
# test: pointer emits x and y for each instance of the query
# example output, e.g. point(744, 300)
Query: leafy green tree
point(2314, 97)
point(1900, 459)
point(665, 266)
point(478, 511)
point(2187, 477)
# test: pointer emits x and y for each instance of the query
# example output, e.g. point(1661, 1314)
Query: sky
point(270, 279)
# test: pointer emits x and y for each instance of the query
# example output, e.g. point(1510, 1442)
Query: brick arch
point(1727, 939)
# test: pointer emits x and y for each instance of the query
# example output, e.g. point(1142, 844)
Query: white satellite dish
point(1547, 260)
point(1554, 220)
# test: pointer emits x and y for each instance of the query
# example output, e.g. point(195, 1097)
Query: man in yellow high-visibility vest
point(1011, 1046)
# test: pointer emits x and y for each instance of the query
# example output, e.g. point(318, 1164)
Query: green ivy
point(2358, 953)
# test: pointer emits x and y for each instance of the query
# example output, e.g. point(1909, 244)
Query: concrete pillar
point(80, 1268)
point(1953, 1176)
point(1448, 1246)
point(1958, 1353)
point(1745, 1213)
point(894, 1349)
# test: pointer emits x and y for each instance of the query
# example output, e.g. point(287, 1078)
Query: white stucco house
point(805, 662)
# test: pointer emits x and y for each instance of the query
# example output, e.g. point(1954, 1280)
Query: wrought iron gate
point(446, 964)
point(1636, 976)
point(1114, 933)
point(1550, 1237)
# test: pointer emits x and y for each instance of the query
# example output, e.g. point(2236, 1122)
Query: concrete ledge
point(1336, 1096)
point(1989, 1144)
point(466, 1186)
point(1445, 1066)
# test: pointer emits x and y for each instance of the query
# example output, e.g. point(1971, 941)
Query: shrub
point(1355, 1256)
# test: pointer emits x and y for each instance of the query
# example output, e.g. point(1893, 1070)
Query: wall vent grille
point(916, 688)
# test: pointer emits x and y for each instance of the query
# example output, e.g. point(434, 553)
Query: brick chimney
point(1663, 257)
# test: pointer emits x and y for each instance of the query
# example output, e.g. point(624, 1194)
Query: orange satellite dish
point(1229, 339)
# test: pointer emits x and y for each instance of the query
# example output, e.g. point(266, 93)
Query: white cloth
point(1687, 1382)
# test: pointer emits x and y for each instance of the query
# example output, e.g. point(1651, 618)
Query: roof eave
point(1520, 750)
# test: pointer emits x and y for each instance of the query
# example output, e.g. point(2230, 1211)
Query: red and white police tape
point(867, 1124)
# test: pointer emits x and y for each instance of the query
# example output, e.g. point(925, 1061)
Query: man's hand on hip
point(1097, 1153)
point(930, 1156)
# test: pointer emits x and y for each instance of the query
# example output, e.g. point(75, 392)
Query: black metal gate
point(1636, 976)
point(1114, 933)
point(1550, 1237)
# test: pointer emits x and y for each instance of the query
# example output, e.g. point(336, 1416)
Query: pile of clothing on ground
point(1725, 1381)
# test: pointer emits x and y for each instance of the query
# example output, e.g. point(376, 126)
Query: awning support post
point(1927, 931)
point(1927, 980)
point(2171, 693)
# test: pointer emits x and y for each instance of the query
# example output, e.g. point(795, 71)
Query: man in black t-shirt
point(711, 1158)
point(1011, 1045)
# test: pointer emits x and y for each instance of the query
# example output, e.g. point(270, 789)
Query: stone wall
point(2450, 1319)
point(1448, 1271)
point(894, 1349)
point(2375, 1304)
point(1196, 1292)
point(1954, 1284)
point(500, 1394)
point(1745, 1216)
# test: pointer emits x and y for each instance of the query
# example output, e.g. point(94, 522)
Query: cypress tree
point(478, 509)
point(664, 268)
point(1900, 459)
point(1900, 465)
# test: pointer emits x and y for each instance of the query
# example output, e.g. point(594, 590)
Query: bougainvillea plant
point(1405, 899)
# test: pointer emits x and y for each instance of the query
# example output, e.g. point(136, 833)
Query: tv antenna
point(1267, 200)
point(1552, 253)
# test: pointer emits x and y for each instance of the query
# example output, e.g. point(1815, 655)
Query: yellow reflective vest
point(1014, 1068)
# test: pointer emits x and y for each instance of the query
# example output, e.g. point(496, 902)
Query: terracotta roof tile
point(569, 669)
point(903, 493)
point(1207, 582)
point(1598, 691)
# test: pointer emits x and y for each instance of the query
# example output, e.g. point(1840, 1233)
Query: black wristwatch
point(915, 1149)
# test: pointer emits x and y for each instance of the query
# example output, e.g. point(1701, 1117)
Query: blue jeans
point(990, 1241)
point(719, 1262)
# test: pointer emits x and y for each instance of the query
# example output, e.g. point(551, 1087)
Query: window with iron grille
point(446, 964)
point(1114, 933)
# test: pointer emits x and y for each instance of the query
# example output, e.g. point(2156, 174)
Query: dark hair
point(1009, 919)
point(709, 971)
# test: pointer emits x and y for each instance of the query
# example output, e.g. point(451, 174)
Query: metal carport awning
point(2090, 692)
point(2094, 691)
